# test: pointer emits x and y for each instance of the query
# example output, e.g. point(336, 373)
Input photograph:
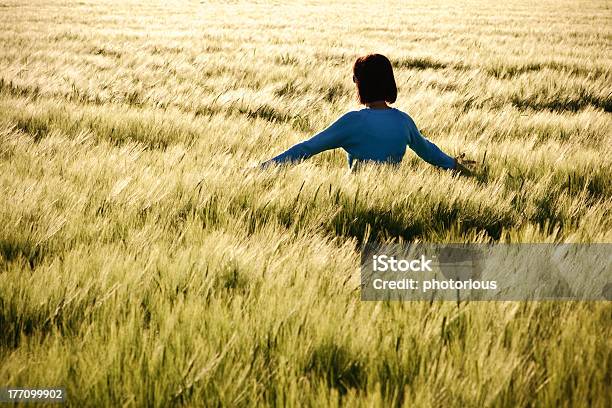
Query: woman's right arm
point(427, 150)
point(333, 137)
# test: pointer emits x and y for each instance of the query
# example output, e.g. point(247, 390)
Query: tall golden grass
point(141, 264)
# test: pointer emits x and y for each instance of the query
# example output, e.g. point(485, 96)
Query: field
point(142, 263)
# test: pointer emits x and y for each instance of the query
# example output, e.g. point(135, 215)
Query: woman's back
point(380, 135)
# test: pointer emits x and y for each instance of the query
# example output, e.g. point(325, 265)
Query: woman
point(377, 133)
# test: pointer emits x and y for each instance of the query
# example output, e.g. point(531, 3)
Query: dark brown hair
point(373, 75)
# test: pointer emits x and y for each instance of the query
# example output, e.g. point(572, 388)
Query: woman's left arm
point(331, 138)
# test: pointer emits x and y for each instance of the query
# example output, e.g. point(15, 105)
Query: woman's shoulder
point(402, 113)
point(353, 113)
point(351, 116)
point(349, 120)
point(406, 117)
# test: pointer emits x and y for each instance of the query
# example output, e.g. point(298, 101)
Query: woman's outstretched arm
point(334, 136)
point(428, 151)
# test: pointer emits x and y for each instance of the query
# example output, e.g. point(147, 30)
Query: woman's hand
point(464, 166)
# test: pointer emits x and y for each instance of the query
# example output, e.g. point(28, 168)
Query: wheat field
point(144, 263)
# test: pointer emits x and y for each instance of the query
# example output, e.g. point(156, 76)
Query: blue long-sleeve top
point(379, 135)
